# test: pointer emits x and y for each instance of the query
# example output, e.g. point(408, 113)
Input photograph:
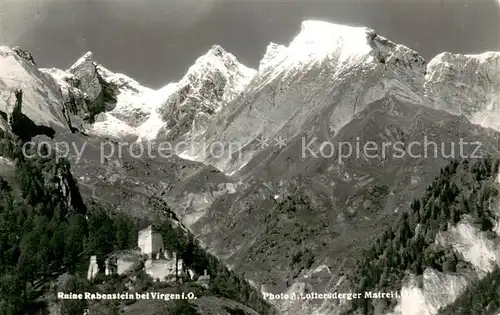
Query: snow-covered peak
point(214, 80)
point(318, 39)
point(460, 66)
point(275, 54)
point(134, 105)
point(466, 85)
point(84, 69)
point(122, 103)
point(450, 57)
point(329, 73)
point(341, 47)
point(218, 53)
point(137, 111)
point(41, 97)
point(322, 59)
point(24, 54)
point(85, 59)
point(217, 57)
point(316, 42)
point(218, 61)
point(121, 81)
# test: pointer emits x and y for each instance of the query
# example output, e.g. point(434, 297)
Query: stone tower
point(93, 268)
point(150, 242)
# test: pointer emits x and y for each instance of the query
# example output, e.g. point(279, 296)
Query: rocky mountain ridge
point(131, 110)
point(332, 82)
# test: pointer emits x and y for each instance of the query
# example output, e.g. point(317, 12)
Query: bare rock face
point(65, 183)
point(75, 106)
point(24, 54)
point(310, 85)
point(85, 71)
point(86, 94)
point(214, 80)
point(466, 85)
point(42, 99)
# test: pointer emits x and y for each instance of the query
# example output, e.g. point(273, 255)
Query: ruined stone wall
point(157, 242)
point(160, 269)
point(127, 261)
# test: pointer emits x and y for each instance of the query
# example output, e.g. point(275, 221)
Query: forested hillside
point(482, 298)
point(46, 230)
point(41, 228)
point(461, 188)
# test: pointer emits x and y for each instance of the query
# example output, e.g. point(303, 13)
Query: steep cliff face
point(214, 80)
point(114, 105)
point(466, 85)
point(74, 104)
point(440, 289)
point(63, 181)
point(325, 77)
point(85, 71)
point(42, 99)
point(21, 125)
point(479, 249)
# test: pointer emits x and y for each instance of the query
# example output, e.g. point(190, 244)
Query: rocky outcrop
point(42, 100)
point(21, 125)
point(466, 85)
point(24, 54)
point(85, 71)
point(214, 80)
point(477, 249)
point(65, 183)
point(86, 94)
point(74, 104)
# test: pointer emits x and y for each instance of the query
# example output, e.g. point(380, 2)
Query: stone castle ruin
point(158, 264)
point(150, 242)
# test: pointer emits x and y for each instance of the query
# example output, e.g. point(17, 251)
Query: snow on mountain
point(326, 79)
point(317, 42)
point(332, 69)
point(329, 55)
point(178, 108)
point(73, 98)
point(42, 99)
point(134, 105)
point(145, 114)
point(214, 80)
point(84, 69)
point(466, 85)
point(118, 102)
point(326, 75)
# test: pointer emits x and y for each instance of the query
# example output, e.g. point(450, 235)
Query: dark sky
point(156, 41)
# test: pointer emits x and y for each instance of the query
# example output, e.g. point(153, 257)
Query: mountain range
point(256, 166)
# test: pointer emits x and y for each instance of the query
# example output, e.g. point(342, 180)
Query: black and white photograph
point(250, 157)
